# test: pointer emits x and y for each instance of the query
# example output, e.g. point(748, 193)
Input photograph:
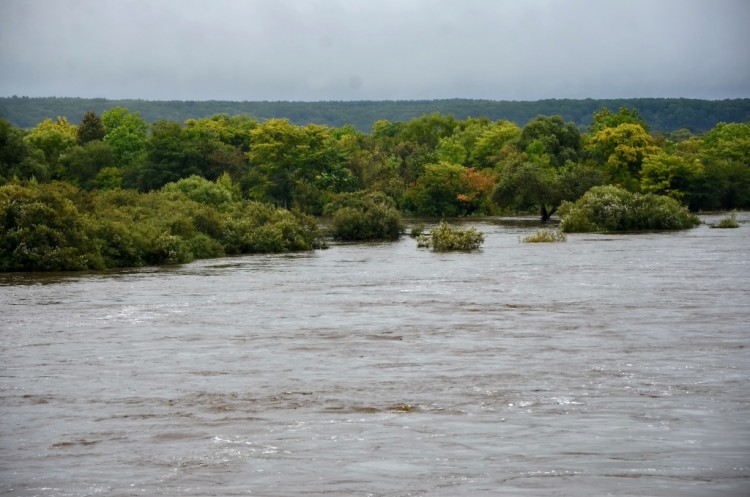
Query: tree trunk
point(546, 215)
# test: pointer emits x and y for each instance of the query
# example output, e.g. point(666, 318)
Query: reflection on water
point(606, 365)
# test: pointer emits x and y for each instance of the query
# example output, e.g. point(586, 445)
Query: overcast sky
point(375, 49)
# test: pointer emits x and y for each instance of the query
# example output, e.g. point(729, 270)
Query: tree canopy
point(435, 165)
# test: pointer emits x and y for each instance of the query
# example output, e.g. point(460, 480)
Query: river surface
point(606, 365)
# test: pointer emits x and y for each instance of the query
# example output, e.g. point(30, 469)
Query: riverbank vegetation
point(59, 227)
point(114, 190)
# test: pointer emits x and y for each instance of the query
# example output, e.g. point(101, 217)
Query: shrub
point(545, 236)
point(168, 249)
point(261, 228)
point(202, 246)
point(445, 238)
point(609, 208)
point(416, 231)
point(727, 222)
point(360, 217)
point(42, 229)
point(218, 193)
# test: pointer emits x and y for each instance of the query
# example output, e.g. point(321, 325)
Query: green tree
point(126, 133)
point(90, 129)
point(450, 149)
point(169, 156)
point(524, 184)
point(53, 139)
point(288, 161)
point(81, 164)
point(436, 192)
point(672, 175)
point(428, 129)
point(489, 145)
point(174, 152)
point(108, 178)
point(605, 118)
point(230, 130)
point(728, 141)
point(552, 137)
point(19, 159)
point(725, 154)
point(221, 142)
point(621, 151)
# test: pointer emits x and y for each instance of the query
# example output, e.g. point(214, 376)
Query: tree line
point(662, 114)
point(114, 190)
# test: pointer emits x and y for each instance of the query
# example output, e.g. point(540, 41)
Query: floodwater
point(606, 365)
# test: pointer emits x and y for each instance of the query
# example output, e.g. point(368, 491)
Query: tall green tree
point(169, 156)
point(525, 183)
point(126, 133)
point(18, 158)
point(90, 129)
point(488, 147)
point(436, 192)
point(621, 151)
point(551, 136)
point(673, 175)
point(725, 154)
point(291, 165)
point(82, 164)
point(429, 129)
point(53, 139)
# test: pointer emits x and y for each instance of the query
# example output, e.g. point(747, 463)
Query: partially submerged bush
point(545, 236)
point(416, 231)
point(727, 222)
point(609, 208)
point(359, 217)
point(445, 238)
point(255, 227)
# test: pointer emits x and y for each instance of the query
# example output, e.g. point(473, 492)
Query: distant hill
point(662, 114)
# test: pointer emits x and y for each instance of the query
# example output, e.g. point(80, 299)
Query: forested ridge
point(661, 114)
point(114, 190)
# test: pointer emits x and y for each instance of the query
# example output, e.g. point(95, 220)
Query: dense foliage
point(610, 208)
point(369, 217)
point(59, 227)
point(114, 190)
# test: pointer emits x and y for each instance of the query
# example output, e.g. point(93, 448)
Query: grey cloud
point(374, 49)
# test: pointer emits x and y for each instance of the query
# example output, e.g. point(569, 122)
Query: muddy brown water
point(605, 365)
